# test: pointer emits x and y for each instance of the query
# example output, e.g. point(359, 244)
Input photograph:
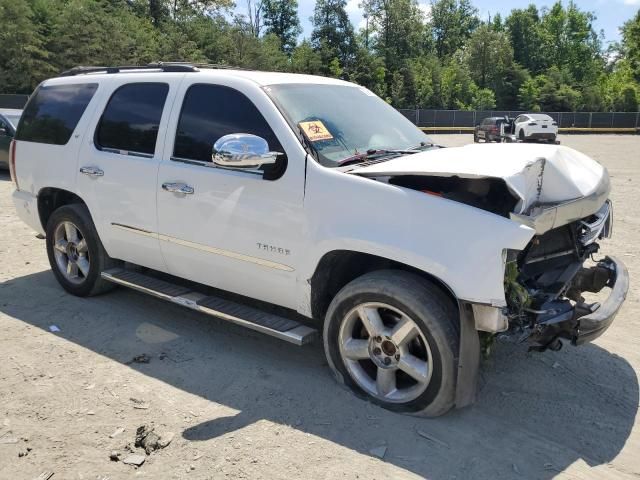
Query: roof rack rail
point(163, 66)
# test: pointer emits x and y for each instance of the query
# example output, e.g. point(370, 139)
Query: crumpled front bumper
point(582, 322)
point(591, 326)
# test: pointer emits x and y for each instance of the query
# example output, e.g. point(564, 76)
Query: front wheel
point(521, 136)
point(75, 252)
point(391, 337)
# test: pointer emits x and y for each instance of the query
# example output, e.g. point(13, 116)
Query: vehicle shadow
point(536, 414)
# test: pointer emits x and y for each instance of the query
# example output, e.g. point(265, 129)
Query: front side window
point(131, 120)
point(53, 112)
point(213, 111)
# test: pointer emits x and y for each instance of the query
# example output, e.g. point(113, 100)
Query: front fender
point(458, 244)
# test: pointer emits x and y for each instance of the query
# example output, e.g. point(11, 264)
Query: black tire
point(522, 137)
point(431, 310)
point(92, 283)
point(475, 137)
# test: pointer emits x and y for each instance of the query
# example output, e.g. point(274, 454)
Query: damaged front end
point(545, 284)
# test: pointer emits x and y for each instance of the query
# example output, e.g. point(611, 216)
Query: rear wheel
point(475, 137)
point(391, 337)
point(75, 252)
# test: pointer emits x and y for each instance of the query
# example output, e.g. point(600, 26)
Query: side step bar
point(253, 318)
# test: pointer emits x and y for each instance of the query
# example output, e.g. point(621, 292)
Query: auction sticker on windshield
point(315, 131)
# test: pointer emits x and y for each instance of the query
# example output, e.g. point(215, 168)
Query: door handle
point(92, 171)
point(178, 188)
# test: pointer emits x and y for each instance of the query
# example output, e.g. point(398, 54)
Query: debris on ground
point(555, 365)
point(8, 440)
point(44, 476)
point(117, 432)
point(139, 404)
point(378, 452)
point(54, 328)
point(147, 438)
point(136, 459)
point(142, 358)
point(24, 453)
point(432, 438)
point(114, 456)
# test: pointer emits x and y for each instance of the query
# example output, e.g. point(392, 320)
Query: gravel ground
point(242, 405)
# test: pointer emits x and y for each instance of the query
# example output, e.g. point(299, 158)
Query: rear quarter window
point(53, 112)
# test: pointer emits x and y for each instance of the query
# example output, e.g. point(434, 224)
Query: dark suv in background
point(492, 129)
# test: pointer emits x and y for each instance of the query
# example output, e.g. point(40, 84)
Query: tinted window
point(53, 112)
point(212, 111)
point(131, 120)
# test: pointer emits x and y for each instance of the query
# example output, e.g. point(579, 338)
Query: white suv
point(535, 126)
point(309, 204)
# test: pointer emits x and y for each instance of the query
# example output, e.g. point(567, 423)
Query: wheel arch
point(339, 267)
point(50, 199)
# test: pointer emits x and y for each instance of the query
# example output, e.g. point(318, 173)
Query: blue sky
point(611, 14)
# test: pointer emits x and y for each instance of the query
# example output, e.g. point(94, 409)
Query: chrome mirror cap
point(242, 151)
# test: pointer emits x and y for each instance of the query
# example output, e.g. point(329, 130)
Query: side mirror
point(4, 132)
point(242, 151)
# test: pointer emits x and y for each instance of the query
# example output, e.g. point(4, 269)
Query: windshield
point(347, 120)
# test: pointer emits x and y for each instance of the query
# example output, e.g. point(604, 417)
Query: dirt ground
point(242, 405)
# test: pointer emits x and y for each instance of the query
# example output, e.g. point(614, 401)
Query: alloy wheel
point(71, 252)
point(385, 352)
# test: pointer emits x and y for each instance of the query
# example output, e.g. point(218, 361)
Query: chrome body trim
point(205, 248)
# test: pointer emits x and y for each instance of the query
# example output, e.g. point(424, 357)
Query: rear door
point(118, 165)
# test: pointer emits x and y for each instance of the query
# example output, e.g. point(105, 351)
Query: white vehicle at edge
point(314, 195)
point(535, 126)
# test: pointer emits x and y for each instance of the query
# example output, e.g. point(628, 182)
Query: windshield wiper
point(371, 154)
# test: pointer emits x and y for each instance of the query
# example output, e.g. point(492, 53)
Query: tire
point(430, 349)
point(521, 136)
point(84, 255)
point(475, 137)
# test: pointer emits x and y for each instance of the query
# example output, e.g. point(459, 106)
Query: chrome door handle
point(92, 171)
point(178, 188)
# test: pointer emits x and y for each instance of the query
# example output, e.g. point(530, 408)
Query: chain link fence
point(463, 119)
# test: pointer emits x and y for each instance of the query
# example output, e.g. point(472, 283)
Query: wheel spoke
point(385, 381)
point(371, 319)
point(404, 331)
point(70, 232)
point(72, 269)
point(61, 246)
point(82, 246)
point(83, 265)
point(356, 349)
point(414, 367)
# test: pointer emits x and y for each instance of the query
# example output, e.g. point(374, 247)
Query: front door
point(235, 230)
point(118, 167)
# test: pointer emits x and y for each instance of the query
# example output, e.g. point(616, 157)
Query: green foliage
point(631, 44)
point(547, 59)
point(281, 20)
point(452, 23)
point(332, 34)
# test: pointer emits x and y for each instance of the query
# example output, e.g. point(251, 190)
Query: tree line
point(444, 56)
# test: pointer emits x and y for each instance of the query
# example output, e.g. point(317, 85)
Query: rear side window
point(212, 111)
point(53, 112)
point(131, 119)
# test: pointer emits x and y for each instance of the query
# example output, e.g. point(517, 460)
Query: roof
point(81, 74)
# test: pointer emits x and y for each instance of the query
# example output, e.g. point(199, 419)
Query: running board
point(253, 318)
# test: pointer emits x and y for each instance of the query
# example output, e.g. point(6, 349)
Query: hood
point(541, 177)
